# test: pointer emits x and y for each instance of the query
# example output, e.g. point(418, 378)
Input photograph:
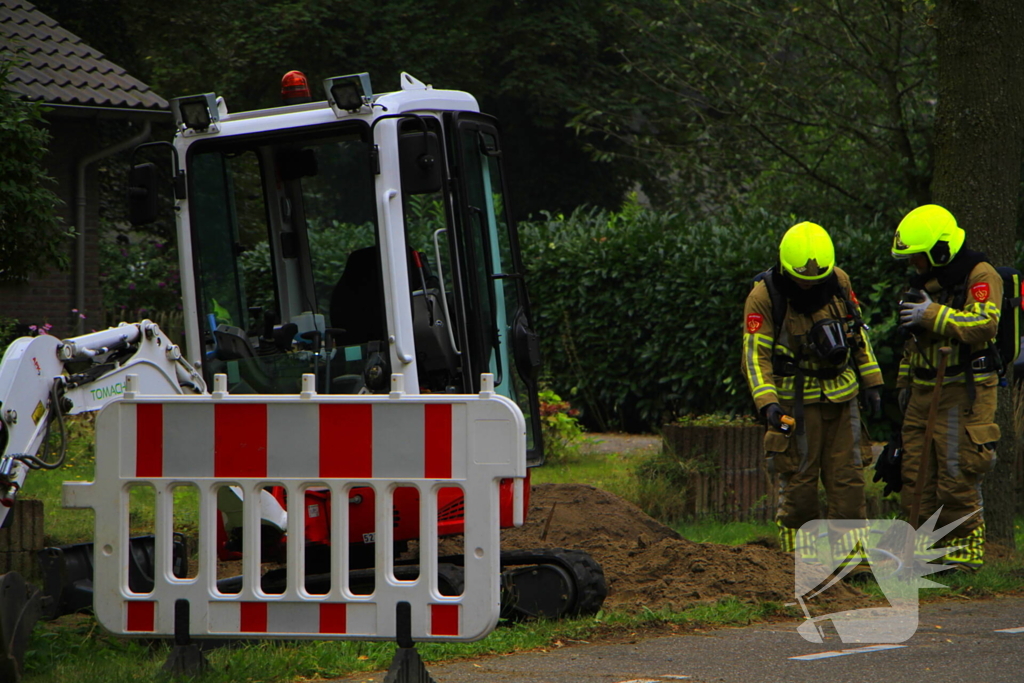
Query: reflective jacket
point(766, 351)
point(968, 331)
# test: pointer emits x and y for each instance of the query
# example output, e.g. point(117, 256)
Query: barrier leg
point(186, 659)
point(406, 667)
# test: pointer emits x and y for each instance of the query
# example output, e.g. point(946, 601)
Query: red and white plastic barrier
point(330, 443)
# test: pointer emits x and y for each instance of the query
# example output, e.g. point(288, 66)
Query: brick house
point(83, 89)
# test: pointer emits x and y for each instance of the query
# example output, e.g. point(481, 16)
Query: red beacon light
point(295, 88)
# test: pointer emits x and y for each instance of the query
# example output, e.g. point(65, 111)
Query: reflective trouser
point(847, 544)
point(963, 449)
point(830, 449)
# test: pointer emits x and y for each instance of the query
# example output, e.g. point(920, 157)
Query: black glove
point(903, 398)
point(773, 415)
point(888, 466)
point(873, 402)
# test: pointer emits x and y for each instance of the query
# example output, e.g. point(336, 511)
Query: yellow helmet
point(928, 229)
point(806, 252)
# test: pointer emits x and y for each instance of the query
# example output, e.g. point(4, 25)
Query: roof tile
point(57, 67)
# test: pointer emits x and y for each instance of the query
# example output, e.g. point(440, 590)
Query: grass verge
point(77, 649)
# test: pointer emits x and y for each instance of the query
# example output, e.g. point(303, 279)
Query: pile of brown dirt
point(647, 564)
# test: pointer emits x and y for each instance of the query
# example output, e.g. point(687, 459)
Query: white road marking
point(843, 653)
point(1010, 630)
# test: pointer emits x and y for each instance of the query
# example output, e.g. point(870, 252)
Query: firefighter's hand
point(773, 414)
point(912, 313)
point(873, 402)
point(903, 398)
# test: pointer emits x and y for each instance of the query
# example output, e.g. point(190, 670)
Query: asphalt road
point(956, 641)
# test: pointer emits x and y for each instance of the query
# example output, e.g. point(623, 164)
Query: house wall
point(50, 297)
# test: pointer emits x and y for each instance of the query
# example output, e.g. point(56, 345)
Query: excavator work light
point(195, 112)
point(348, 93)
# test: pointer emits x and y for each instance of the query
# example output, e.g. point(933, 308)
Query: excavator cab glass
point(284, 228)
point(499, 338)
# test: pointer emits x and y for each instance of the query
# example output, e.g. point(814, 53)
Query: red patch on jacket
point(754, 321)
point(980, 292)
point(853, 297)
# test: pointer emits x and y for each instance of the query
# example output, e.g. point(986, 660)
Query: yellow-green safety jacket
point(971, 328)
point(763, 346)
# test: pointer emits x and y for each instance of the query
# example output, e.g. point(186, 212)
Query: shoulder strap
point(779, 303)
point(959, 294)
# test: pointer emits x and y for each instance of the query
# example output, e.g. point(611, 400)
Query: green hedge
point(640, 312)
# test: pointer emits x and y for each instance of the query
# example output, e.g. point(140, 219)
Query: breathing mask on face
point(828, 339)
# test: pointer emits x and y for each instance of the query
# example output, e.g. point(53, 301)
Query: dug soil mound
point(647, 564)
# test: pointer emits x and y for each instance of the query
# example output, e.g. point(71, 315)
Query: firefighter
point(953, 302)
point(806, 355)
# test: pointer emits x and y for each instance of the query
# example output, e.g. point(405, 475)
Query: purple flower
point(131, 285)
point(161, 285)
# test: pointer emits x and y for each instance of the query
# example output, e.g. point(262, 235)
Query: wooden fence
point(23, 539)
point(728, 480)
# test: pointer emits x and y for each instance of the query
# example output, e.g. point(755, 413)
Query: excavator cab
point(355, 246)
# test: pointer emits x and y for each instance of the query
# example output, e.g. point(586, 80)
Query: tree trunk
point(978, 153)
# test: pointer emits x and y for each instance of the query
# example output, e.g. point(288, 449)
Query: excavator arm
point(44, 378)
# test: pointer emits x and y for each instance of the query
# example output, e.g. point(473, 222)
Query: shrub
point(140, 278)
point(640, 312)
point(562, 432)
point(661, 485)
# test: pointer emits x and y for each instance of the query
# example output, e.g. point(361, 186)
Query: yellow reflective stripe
point(812, 395)
point(797, 541)
point(969, 320)
point(941, 318)
point(759, 384)
point(867, 368)
point(850, 546)
point(904, 370)
point(972, 550)
point(956, 379)
point(974, 315)
point(841, 396)
point(839, 389)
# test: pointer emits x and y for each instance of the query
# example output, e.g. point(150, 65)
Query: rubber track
point(591, 588)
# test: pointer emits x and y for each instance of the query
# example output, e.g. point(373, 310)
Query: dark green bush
point(640, 312)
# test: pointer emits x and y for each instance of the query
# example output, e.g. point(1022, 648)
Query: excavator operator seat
point(357, 302)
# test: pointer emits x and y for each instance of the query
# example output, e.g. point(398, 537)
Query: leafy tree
point(823, 108)
point(528, 63)
point(34, 237)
